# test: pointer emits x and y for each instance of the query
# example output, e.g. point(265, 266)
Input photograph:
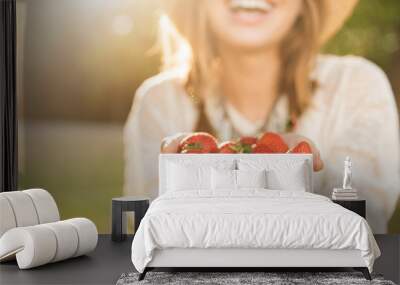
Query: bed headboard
point(207, 159)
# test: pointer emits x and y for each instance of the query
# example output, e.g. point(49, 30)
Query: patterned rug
point(269, 278)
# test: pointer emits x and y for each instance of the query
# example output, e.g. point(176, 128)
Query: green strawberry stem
point(191, 146)
point(246, 148)
point(241, 148)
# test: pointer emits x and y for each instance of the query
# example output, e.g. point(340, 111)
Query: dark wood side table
point(138, 205)
point(357, 206)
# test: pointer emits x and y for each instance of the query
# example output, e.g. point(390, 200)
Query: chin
point(252, 24)
point(249, 41)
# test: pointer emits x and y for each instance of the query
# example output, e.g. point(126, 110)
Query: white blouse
point(353, 112)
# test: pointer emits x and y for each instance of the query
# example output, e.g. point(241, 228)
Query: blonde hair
point(187, 46)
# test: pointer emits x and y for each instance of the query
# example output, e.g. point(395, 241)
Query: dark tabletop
point(111, 259)
point(131, 199)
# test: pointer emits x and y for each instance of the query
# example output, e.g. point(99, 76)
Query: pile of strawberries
point(267, 143)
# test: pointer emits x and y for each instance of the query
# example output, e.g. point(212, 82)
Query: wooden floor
point(110, 260)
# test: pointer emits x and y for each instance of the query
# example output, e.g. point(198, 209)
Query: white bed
point(248, 227)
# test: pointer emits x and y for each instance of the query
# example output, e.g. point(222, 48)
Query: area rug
point(233, 278)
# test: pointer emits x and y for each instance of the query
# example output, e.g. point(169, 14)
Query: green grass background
point(81, 165)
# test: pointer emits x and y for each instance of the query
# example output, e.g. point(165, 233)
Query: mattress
point(250, 219)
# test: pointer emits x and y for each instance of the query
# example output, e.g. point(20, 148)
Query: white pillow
point(193, 173)
point(251, 178)
point(282, 174)
point(223, 179)
point(292, 178)
point(227, 179)
point(188, 177)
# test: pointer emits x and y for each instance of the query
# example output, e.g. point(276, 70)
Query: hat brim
point(337, 12)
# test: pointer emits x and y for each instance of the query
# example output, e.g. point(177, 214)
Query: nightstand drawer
point(357, 206)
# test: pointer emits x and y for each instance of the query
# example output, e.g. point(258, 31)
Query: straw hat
point(337, 11)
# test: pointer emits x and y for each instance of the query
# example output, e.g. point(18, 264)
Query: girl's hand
point(292, 139)
point(171, 144)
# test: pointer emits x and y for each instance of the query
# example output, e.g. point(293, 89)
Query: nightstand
point(357, 206)
point(138, 205)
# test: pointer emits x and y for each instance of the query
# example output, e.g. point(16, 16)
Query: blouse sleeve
point(159, 110)
point(366, 128)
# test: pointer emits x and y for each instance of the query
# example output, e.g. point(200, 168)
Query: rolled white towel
point(67, 240)
point(33, 246)
point(23, 208)
point(26, 208)
point(40, 244)
point(46, 207)
point(7, 218)
point(87, 234)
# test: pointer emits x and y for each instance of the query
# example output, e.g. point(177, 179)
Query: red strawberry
point(248, 140)
point(274, 142)
point(260, 148)
point(228, 147)
point(302, 147)
point(198, 143)
point(246, 144)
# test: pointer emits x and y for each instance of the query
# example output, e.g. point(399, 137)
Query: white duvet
point(250, 219)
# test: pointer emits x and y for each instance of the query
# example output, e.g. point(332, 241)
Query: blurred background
point(79, 64)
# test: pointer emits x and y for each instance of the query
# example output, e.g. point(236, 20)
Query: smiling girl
point(240, 67)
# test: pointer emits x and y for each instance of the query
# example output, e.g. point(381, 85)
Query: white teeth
point(261, 5)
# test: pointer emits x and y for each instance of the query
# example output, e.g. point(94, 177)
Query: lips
point(257, 6)
point(249, 12)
